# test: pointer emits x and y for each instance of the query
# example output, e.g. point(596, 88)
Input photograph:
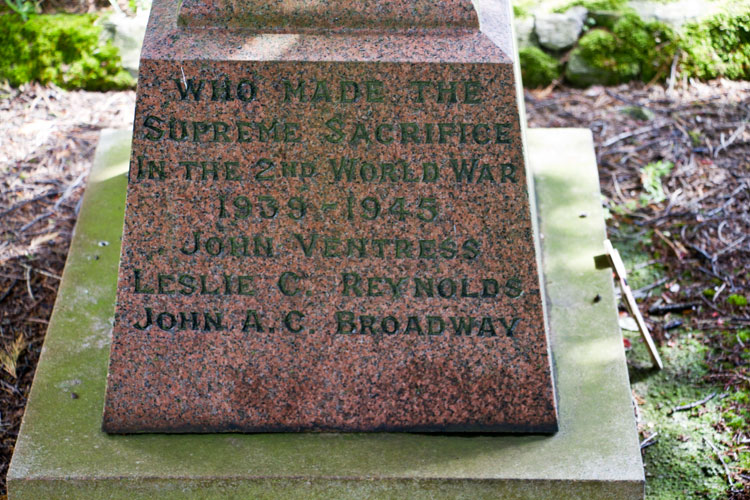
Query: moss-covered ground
point(682, 449)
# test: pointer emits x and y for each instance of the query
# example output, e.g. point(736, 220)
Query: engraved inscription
point(414, 193)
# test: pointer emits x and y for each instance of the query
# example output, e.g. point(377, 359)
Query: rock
point(605, 18)
point(560, 31)
point(581, 74)
point(675, 14)
point(126, 33)
point(525, 36)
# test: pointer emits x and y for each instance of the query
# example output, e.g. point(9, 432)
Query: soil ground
point(675, 179)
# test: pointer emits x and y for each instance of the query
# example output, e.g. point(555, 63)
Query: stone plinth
point(62, 453)
point(329, 229)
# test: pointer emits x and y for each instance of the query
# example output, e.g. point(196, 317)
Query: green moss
point(594, 5)
point(632, 49)
point(737, 300)
point(538, 69)
point(523, 8)
point(63, 49)
point(638, 113)
point(519, 12)
point(719, 46)
point(680, 464)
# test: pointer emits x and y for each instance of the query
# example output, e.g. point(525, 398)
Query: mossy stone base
point(61, 452)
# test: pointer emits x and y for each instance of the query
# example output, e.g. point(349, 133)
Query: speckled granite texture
point(329, 14)
point(329, 231)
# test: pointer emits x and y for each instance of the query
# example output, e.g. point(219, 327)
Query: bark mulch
point(701, 226)
point(697, 215)
point(47, 142)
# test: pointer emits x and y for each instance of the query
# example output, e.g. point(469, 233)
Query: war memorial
point(346, 270)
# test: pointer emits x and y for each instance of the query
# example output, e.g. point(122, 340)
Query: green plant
point(63, 49)
point(696, 137)
point(538, 69)
point(651, 176)
point(737, 300)
point(23, 8)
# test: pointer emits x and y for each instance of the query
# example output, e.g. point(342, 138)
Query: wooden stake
point(612, 259)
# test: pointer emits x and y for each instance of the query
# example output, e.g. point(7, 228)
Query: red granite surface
point(344, 314)
point(330, 14)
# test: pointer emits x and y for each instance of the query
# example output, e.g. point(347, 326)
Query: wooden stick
point(615, 262)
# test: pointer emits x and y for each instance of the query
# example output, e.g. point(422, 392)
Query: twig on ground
point(7, 292)
point(632, 133)
point(20, 204)
point(709, 304)
point(642, 292)
point(730, 141)
point(679, 250)
point(36, 219)
point(28, 283)
point(659, 310)
point(649, 440)
point(644, 265)
point(41, 271)
point(692, 405)
point(721, 459)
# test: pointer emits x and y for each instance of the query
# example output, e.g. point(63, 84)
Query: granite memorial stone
point(330, 224)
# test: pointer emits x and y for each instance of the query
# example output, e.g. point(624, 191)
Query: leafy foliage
point(9, 355)
point(23, 8)
point(651, 176)
point(63, 49)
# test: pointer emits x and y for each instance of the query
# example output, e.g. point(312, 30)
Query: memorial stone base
point(62, 453)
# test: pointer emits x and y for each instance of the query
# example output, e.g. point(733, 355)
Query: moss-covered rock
point(538, 69)
point(63, 49)
point(604, 18)
point(719, 46)
point(632, 49)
